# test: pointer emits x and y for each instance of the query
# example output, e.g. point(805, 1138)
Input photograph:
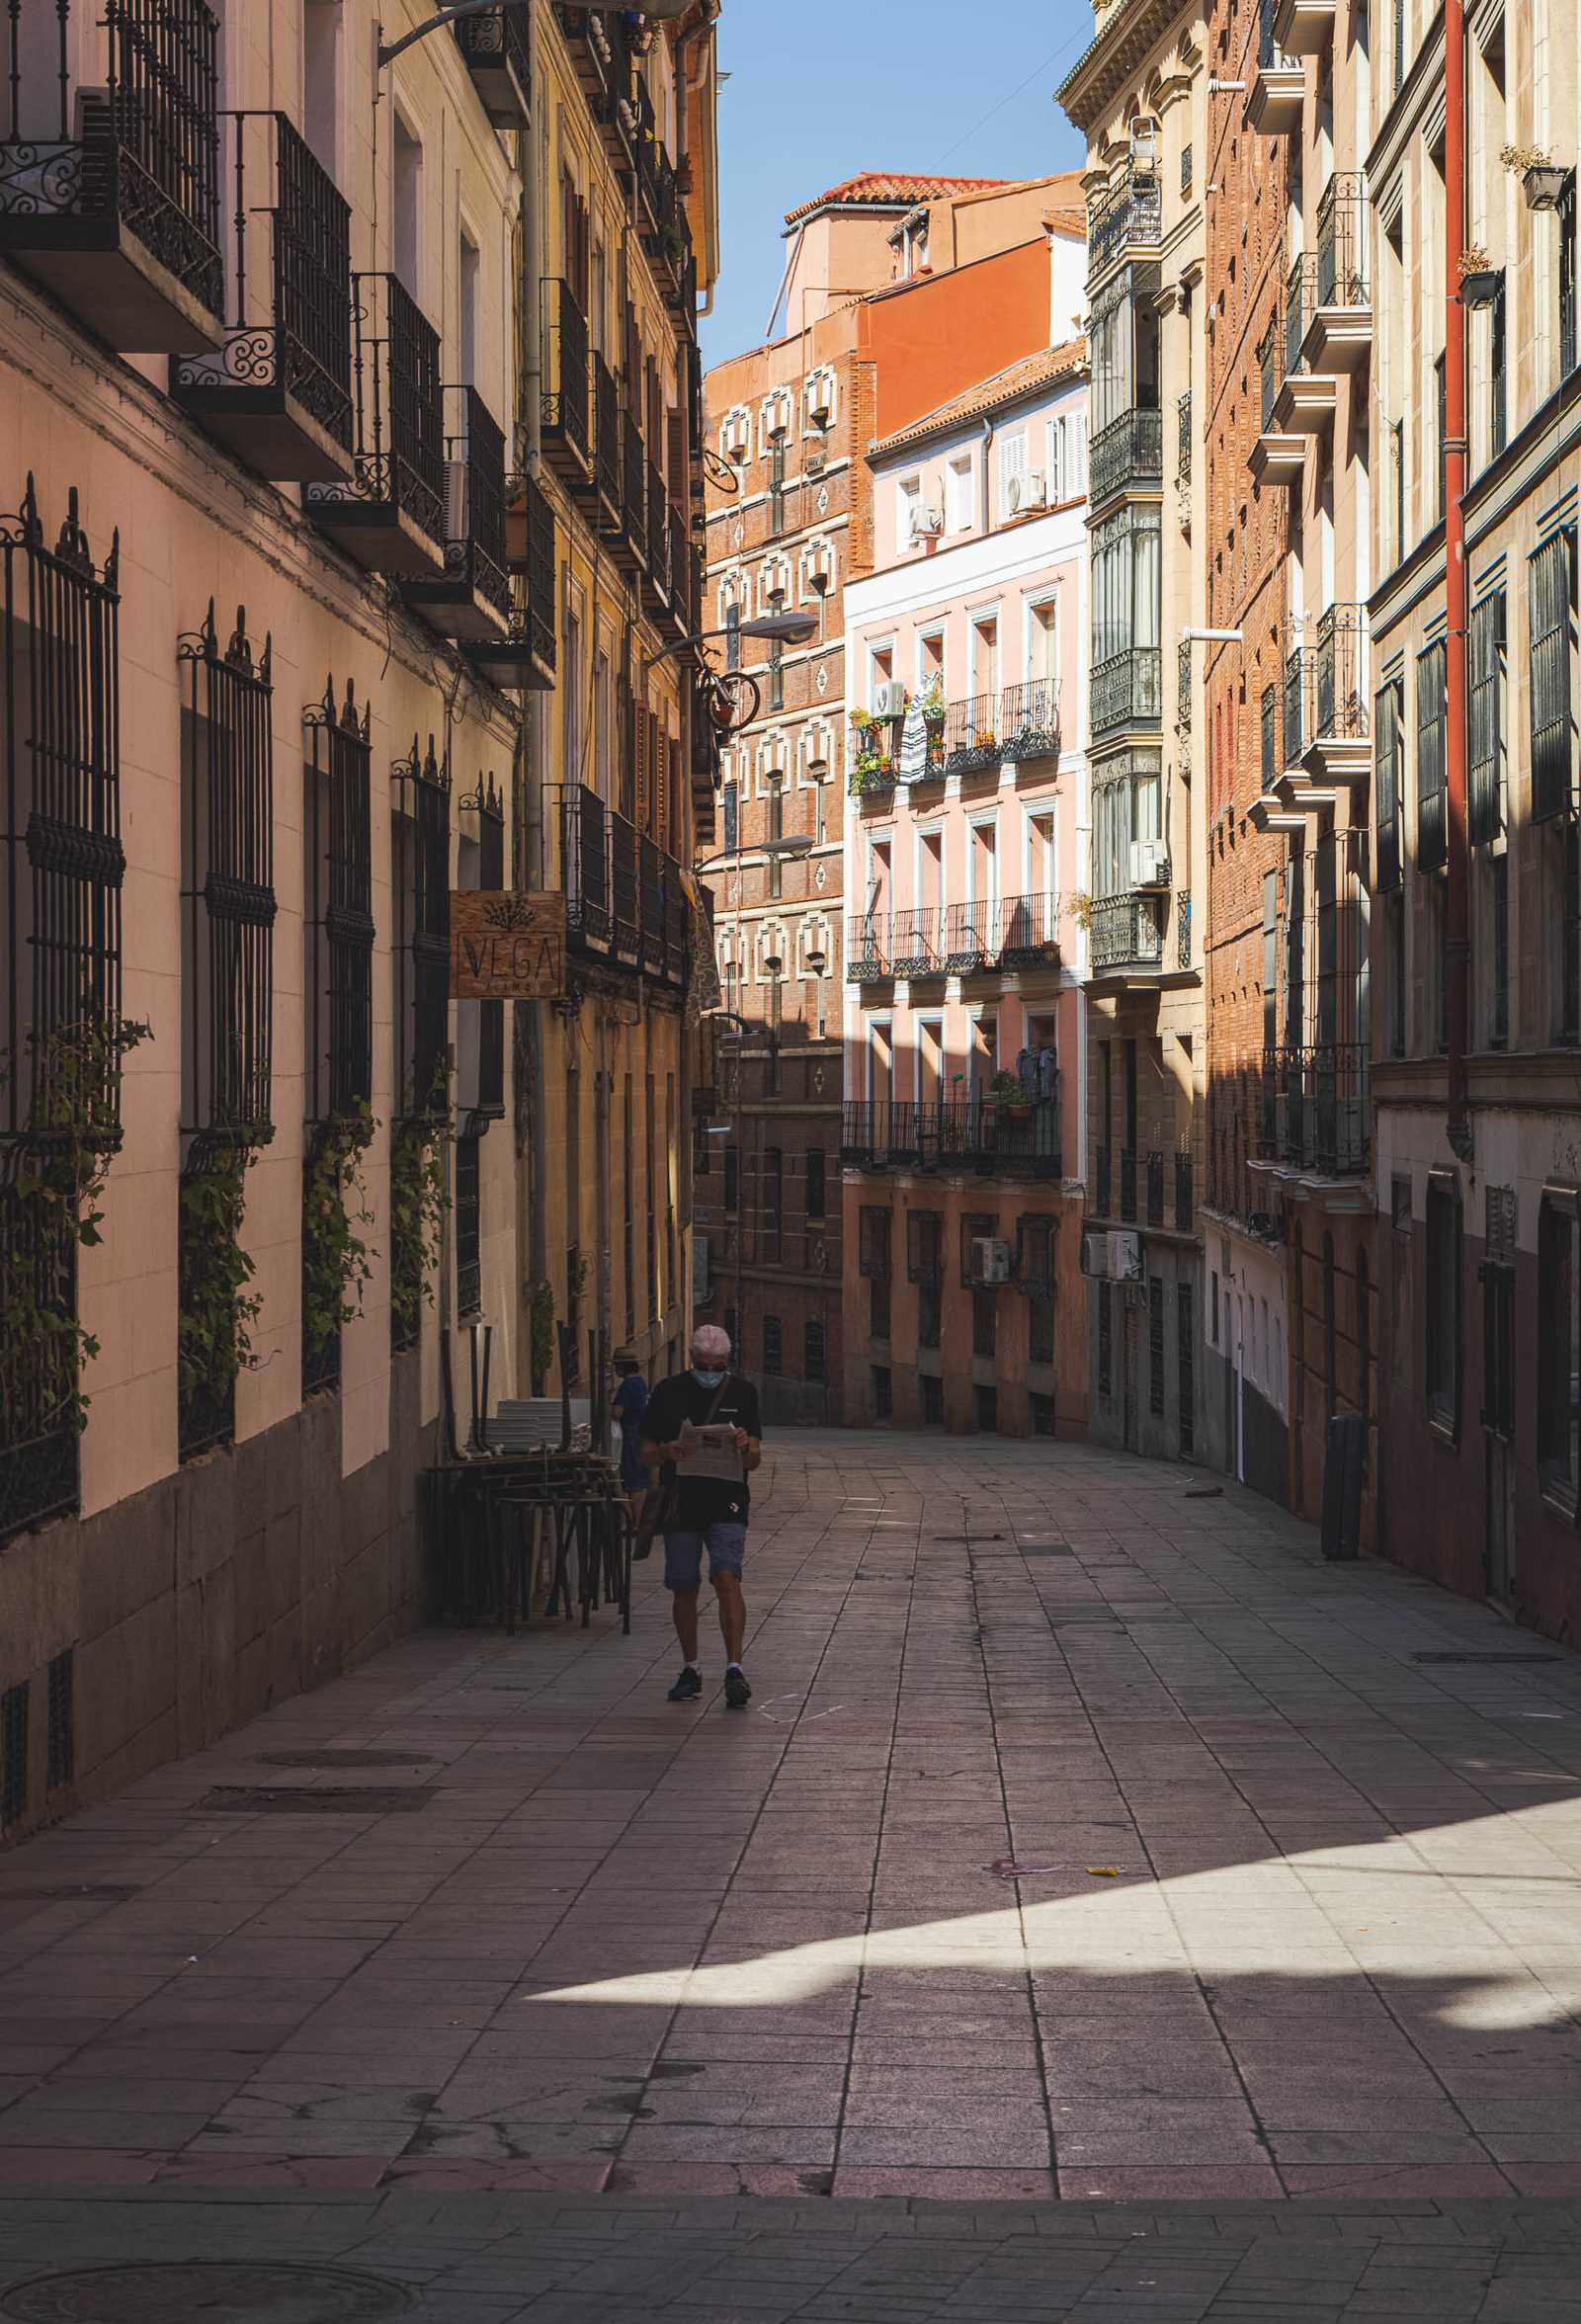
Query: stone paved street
point(579, 2003)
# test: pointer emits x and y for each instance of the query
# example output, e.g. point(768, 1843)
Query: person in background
point(713, 1511)
point(628, 1403)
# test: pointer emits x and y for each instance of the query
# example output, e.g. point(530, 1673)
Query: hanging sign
point(507, 944)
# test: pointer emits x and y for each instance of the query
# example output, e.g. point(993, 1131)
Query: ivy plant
point(336, 1260)
point(419, 1197)
point(217, 1311)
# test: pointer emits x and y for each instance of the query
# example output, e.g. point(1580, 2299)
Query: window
point(815, 1182)
point(908, 505)
point(773, 1203)
point(985, 1404)
point(733, 636)
point(1012, 468)
point(1041, 1414)
point(1498, 919)
point(1559, 1344)
point(776, 488)
point(959, 514)
point(732, 818)
point(1431, 827)
point(772, 1347)
point(883, 1401)
point(1567, 273)
point(933, 1399)
point(874, 1230)
point(1442, 1344)
point(732, 1176)
point(1551, 587)
point(1485, 802)
point(984, 1321)
point(1155, 1346)
point(1106, 1359)
point(420, 853)
point(1498, 1314)
point(1186, 1365)
point(1185, 169)
point(1035, 1272)
point(814, 1362)
point(468, 1225)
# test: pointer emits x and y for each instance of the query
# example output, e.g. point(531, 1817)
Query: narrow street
point(422, 1964)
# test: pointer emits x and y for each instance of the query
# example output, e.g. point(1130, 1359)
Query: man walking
point(703, 1430)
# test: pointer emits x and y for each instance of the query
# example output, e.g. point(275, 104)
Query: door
point(1498, 1388)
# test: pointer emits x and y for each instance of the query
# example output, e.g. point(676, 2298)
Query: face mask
point(708, 1379)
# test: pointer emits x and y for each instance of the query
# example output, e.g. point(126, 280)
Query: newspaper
point(712, 1452)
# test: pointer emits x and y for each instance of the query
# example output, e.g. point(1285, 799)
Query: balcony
point(668, 236)
point(392, 516)
point(972, 737)
point(1300, 790)
point(1275, 457)
point(989, 1136)
point(523, 659)
point(1279, 88)
point(598, 49)
point(1269, 811)
point(914, 943)
point(874, 766)
point(686, 584)
point(494, 45)
point(867, 950)
point(567, 376)
point(470, 601)
point(657, 534)
point(625, 899)
point(1029, 721)
point(1339, 331)
point(1128, 220)
point(630, 544)
point(1339, 745)
point(1027, 934)
point(607, 419)
point(1305, 402)
point(1315, 1111)
point(109, 192)
point(1305, 28)
point(1125, 458)
point(278, 391)
point(1127, 934)
point(1127, 689)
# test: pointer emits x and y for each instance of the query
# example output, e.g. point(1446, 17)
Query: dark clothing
point(705, 1500)
point(631, 1402)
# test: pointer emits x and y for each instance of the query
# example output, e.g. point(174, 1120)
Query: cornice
point(1133, 33)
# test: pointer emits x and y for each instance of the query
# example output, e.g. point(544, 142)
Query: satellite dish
point(914, 746)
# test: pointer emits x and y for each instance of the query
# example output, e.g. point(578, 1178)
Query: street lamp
point(388, 50)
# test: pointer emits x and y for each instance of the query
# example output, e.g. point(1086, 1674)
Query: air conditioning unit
point(1124, 1256)
point(1029, 492)
point(889, 702)
point(1149, 863)
point(990, 1260)
point(927, 524)
point(737, 436)
point(1095, 1257)
point(458, 503)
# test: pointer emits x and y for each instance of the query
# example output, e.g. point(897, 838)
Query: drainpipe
point(983, 489)
point(531, 1101)
point(1458, 944)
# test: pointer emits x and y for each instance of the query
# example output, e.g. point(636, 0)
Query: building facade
point(1474, 821)
point(964, 1022)
point(1140, 94)
point(283, 588)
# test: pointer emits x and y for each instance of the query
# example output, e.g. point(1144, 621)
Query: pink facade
point(964, 946)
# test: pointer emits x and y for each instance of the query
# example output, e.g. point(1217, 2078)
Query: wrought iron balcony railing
point(1342, 674)
point(568, 377)
point(875, 765)
point(277, 393)
point(914, 938)
point(990, 1137)
point(1271, 371)
point(1028, 720)
point(659, 537)
point(1300, 305)
point(524, 658)
point(1128, 932)
point(971, 735)
point(1297, 699)
point(1127, 689)
point(1127, 457)
point(607, 454)
point(595, 48)
point(1029, 932)
point(392, 516)
point(494, 45)
point(970, 937)
point(634, 492)
point(1315, 1112)
point(1131, 217)
point(1183, 439)
point(1341, 271)
point(1155, 1188)
point(868, 948)
point(109, 187)
point(625, 899)
point(1185, 1193)
point(472, 598)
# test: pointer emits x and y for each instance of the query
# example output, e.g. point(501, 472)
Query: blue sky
point(820, 89)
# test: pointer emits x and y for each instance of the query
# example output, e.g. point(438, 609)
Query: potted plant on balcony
point(1011, 1101)
point(1479, 276)
point(1541, 178)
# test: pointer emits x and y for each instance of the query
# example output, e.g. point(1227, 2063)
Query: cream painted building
point(289, 586)
point(1140, 95)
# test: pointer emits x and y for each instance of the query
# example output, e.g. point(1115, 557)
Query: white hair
point(709, 1340)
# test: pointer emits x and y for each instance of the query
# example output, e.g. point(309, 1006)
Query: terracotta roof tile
point(888, 190)
point(1007, 387)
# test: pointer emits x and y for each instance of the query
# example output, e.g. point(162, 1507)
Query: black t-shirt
point(674, 1402)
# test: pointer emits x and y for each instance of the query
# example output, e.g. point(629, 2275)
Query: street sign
point(506, 944)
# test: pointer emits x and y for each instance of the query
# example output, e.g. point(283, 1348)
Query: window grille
point(60, 1023)
point(1499, 909)
point(1389, 718)
point(814, 1364)
point(1552, 643)
point(1105, 1356)
point(1485, 803)
point(1568, 273)
point(486, 1096)
point(1155, 1346)
point(815, 1195)
point(1498, 1314)
point(227, 881)
point(1432, 837)
point(1186, 1362)
point(469, 1224)
point(422, 832)
point(339, 919)
point(1559, 1345)
point(773, 1345)
point(1498, 408)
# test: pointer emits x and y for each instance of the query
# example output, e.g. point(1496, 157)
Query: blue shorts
point(725, 1544)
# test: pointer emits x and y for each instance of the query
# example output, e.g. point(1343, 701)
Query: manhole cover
point(333, 1799)
point(220, 2291)
point(1481, 1658)
point(342, 1759)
